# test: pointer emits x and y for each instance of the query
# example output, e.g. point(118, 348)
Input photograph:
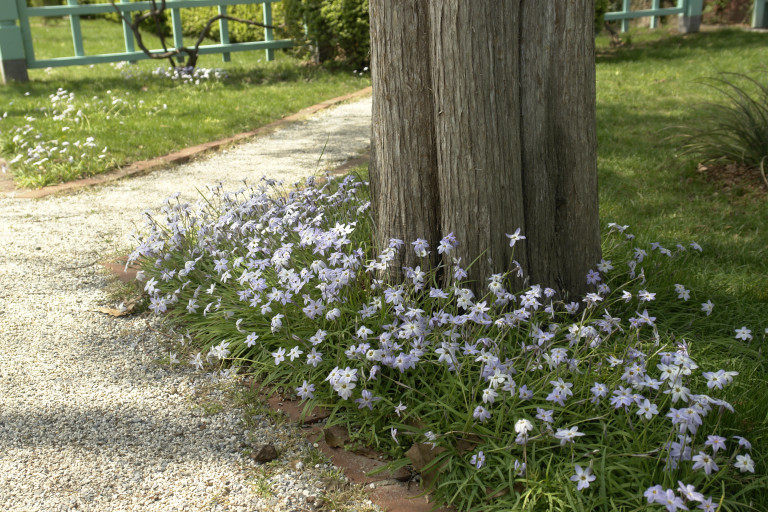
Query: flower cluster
point(55, 139)
point(294, 284)
point(189, 75)
point(183, 75)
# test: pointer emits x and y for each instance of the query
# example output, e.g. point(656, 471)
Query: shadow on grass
point(237, 79)
point(680, 46)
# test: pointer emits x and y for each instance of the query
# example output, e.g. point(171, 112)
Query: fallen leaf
point(467, 444)
point(122, 310)
point(421, 455)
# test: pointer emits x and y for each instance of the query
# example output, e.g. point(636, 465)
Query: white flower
point(478, 460)
point(514, 237)
point(745, 463)
point(567, 435)
point(743, 334)
point(582, 477)
point(703, 460)
point(294, 353)
point(489, 395)
point(647, 409)
point(197, 361)
point(743, 442)
point(277, 322)
point(251, 339)
point(523, 426)
point(279, 356)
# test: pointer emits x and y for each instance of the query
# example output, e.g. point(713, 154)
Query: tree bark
point(477, 103)
point(403, 172)
point(512, 100)
point(559, 144)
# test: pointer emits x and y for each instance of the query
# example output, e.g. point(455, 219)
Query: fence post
point(626, 6)
point(267, 9)
point(690, 20)
point(13, 62)
point(178, 36)
point(224, 32)
point(655, 19)
point(127, 32)
point(77, 34)
point(758, 15)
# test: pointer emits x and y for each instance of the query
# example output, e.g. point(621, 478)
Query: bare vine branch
point(172, 55)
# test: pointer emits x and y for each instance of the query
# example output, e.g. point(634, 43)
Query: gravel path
point(88, 418)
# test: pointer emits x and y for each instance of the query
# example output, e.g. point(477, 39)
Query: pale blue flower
point(583, 477)
point(515, 237)
point(478, 460)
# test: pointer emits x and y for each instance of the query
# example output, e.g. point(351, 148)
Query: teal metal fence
point(689, 12)
point(17, 53)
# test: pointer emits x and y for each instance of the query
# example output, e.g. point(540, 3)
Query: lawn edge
point(179, 157)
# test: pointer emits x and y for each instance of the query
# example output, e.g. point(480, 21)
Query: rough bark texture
point(508, 115)
point(403, 167)
point(515, 100)
point(476, 88)
point(559, 150)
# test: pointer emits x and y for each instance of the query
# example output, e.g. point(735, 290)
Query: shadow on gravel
point(121, 432)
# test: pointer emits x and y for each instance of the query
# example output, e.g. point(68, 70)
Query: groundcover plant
point(520, 400)
point(54, 143)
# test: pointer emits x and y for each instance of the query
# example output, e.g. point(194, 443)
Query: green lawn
point(644, 92)
point(154, 115)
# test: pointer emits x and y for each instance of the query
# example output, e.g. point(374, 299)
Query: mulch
point(735, 180)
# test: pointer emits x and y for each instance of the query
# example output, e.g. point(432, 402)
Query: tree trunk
point(559, 142)
point(513, 117)
point(404, 164)
point(477, 101)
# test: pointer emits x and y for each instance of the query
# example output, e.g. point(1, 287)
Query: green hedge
point(601, 7)
point(193, 21)
point(147, 25)
point(333, 30)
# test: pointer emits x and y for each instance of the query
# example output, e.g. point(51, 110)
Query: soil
point(736, 179)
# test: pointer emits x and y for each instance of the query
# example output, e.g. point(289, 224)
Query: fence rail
point(689, 11)
point(17, 53)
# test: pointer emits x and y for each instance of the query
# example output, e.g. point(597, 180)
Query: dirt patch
point(736, 179)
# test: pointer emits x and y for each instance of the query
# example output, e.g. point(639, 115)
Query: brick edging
point(184, 155)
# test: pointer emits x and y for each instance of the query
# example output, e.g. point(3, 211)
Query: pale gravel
point(89, 419)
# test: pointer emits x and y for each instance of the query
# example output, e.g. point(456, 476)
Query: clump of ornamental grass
point(734, 129)
point(517, 400)
point(53, 144)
